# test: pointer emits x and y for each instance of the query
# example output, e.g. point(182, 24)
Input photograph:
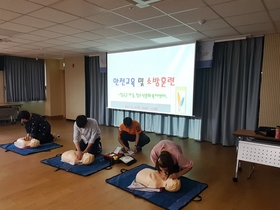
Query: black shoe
point(139, 149)
point(100, 148)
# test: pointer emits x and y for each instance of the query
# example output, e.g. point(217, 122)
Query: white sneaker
point(56, 136)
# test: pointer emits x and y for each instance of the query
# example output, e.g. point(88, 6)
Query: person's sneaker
point(99, 148)
point(56, 136)
point(139, 149)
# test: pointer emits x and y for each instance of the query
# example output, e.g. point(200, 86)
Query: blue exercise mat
point(190, 190)
point(98, 164)
point(27, 151)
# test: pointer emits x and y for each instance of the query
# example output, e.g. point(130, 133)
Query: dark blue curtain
point(24, 79)
point(227, 95)
point(96, 91)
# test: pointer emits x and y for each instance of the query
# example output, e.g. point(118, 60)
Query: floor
point(26, 183)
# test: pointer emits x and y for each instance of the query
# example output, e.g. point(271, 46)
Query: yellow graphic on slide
point(180, 94)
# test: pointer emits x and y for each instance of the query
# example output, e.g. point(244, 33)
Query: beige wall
point(37, 107)
point(74, 87)
point(270, 84)
point(55, 91)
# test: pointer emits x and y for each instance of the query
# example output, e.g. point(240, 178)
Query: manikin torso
point(70, 157)
point(151, 178)
point(21, 143)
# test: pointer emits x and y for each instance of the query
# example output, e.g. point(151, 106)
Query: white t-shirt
point(89, 134)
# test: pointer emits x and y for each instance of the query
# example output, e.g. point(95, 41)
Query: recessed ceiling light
point(201, 22)
point(164, 40)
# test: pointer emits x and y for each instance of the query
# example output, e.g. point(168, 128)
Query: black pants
point(126, 137)
point(48, 137)
point(95, 149)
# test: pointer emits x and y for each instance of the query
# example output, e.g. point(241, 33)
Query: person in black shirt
point(36, 127)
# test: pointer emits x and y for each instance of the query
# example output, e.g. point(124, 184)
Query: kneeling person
point(86, 136)
point(130, 130)
point(169, 160)
point(36, 127)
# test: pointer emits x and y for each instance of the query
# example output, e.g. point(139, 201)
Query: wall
point(55, 88)
point(37, 107)
point(270, 84)
point(75, 87)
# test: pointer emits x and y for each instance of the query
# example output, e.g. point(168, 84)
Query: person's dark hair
point(127, 121)
point(81, 121)
point(165, 161)
point(23, 115)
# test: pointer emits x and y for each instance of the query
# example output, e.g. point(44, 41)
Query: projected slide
point(156, 80)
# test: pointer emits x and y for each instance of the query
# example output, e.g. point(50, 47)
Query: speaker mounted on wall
point(2, 62)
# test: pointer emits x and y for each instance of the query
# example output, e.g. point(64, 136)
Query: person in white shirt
point(87, 136)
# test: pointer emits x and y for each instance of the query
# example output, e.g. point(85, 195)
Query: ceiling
point(57, 29)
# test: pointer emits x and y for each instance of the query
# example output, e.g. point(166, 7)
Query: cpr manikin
point(22, 143)
point(151, 178)
point(70, 157)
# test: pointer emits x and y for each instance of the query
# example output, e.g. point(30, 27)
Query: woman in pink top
point(169, 160)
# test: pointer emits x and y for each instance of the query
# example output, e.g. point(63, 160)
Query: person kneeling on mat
point(88, 130)
point(36, 126)
point(169, 160)
point(130, 130)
